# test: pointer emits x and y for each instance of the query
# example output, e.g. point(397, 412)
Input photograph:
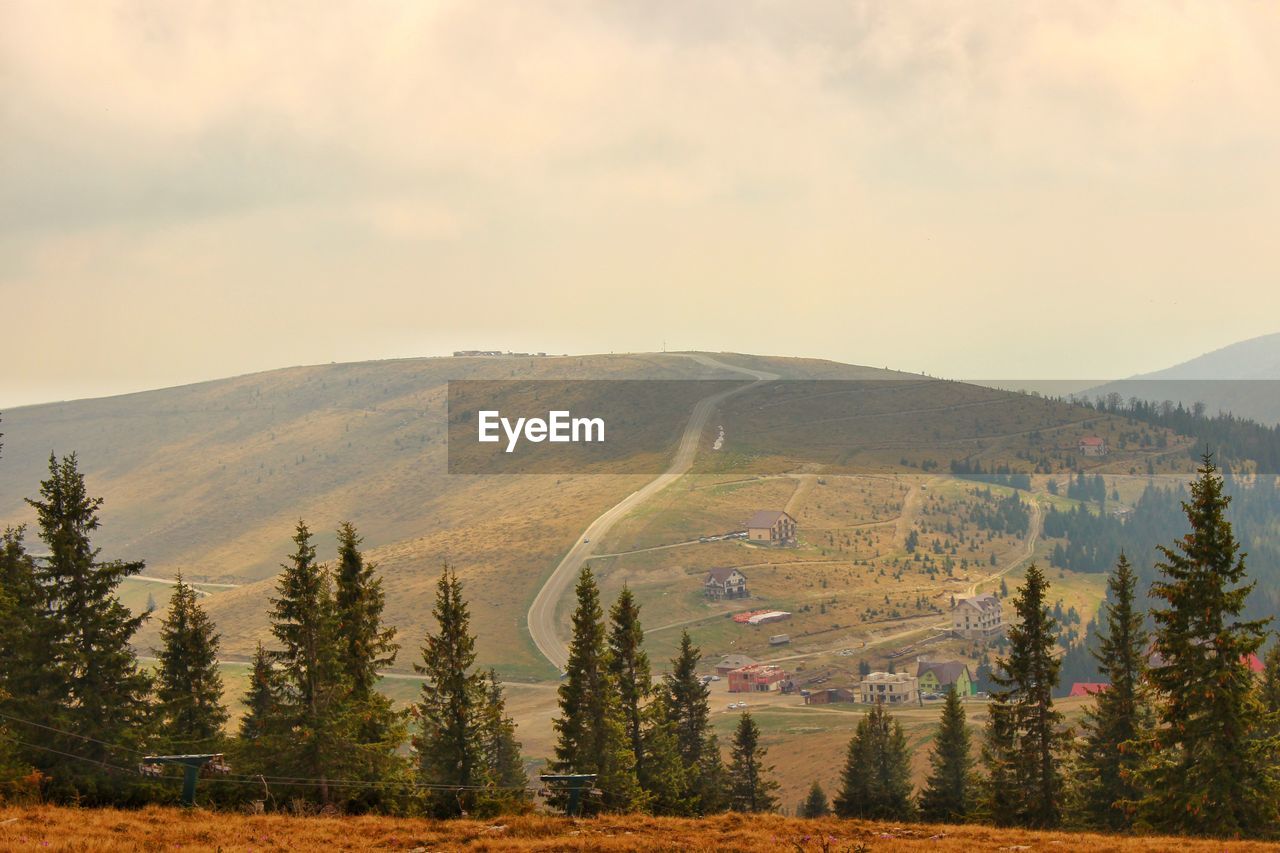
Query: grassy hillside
point(209, 479)
point(155, 828)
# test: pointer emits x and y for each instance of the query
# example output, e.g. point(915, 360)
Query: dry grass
point(50, 828)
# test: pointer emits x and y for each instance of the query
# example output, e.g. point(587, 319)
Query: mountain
point(1243, 379)
point(210, 479)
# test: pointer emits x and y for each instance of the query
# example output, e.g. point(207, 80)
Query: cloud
point(622, 157)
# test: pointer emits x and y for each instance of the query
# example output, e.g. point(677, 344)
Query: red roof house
point(1088, 688)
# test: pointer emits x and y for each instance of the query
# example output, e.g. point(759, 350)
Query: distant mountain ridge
point(1242, 378)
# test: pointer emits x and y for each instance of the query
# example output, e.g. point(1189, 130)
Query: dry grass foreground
point(155, 828)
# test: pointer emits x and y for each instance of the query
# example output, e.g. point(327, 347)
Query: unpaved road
point(542, 613)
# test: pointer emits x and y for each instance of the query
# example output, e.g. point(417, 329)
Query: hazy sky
point(190, 190)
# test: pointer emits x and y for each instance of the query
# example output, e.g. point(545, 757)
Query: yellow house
point(937, 676)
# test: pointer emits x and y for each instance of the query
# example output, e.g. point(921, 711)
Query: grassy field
point(58, 829)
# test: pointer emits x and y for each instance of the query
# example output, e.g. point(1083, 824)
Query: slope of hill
point(1243, 378)
point(210, 479)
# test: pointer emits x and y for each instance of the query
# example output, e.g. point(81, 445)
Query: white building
point(891, 688)
point(977, 618)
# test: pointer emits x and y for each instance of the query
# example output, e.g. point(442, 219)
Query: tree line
point(1184, 740)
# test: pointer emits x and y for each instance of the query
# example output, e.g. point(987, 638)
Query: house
point(1092, 445)
point(891, 688)
point(829, 695)
point(724, 583)
point(773, 526)
point(940, 676)
point(732, 662)
point(1088, 688)
point(756, 678)
point(977, 617)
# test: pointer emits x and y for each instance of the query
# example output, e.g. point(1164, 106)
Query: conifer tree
point(1110, 757)
point(92, 686)
point(750, 788)
point(1213, 749)
point(663, 776)
point(629, 669)
point(504, 772)
point(689, 713)
point(189, 684)
point(24, 631)
point(876, 782)
point(1000, 798)
point(369, 645)
point(1034, 741)
point(591, 735)
point(313, 701)
point(260, 701)
point(815, 802)
point(366, 646)
point(948, 793)
point(449, 744)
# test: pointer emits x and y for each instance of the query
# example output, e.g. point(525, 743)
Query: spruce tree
point(313, 701)
point(750, 788)
point(1000, 799)
point(1212, 751)
point(876, 782)
point(663, 776)
point(1024, 701)
point(504, 773)
point(25, 629)
point(1109, 757)
point(815, 802)
point(629, 669)
point(92, 686)
point(689, 713)
point(366, 646)
point(591, 735)
point(189, 684)
point(261, 698)
point(448, 743)
point(948, 793)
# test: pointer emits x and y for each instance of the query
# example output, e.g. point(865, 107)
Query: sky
point(1046, 190)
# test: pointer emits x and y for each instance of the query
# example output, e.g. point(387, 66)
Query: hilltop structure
point(773, 526)
point(977, 617)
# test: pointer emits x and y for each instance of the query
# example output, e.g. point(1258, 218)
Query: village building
point(1088, 688)
point(756, 678)
point(1092, 445)
point(724, 583)
point(773, 526)
point(732, 662)
point(828, 695)
point(941, 676)
point(977, 617)
point(891, 688)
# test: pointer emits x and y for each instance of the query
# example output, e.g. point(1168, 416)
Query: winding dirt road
point(542, 613)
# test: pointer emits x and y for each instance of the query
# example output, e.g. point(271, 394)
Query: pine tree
point(189, 684)
point(366, 646)
point(629, 669)
point(876, 782)
point(24, 632)
point(1024, 703)
point(663, 776)
point(815, 803)
point(92, 686)
point(1109, 757)
point(591, 735)
point(750, 788)
point(504, 771)
point(1212, 751)
point(1000, 790)
point(448, 744)
point(313, 701)
point(948, 793)
point(260, 701)
point(689, 713)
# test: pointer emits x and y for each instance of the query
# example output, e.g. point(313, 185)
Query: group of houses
point(767, 526)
